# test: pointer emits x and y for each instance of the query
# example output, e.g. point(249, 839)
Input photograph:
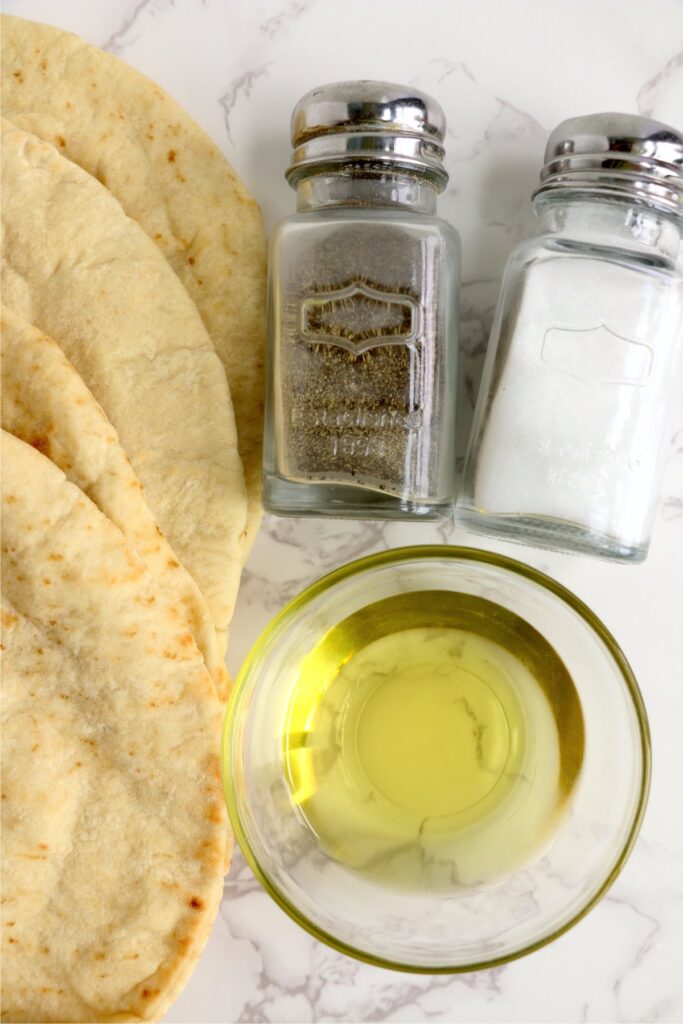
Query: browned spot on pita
point(213, 768)
point(215, 814)
point(41, 442)
point(170, 156)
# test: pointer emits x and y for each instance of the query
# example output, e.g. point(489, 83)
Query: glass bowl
point(467, 926)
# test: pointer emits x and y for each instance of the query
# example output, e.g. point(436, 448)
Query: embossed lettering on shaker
point(360, 317)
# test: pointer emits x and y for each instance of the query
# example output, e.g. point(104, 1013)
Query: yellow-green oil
point(432, 740)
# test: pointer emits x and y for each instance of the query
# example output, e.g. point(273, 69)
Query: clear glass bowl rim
point(426, 552)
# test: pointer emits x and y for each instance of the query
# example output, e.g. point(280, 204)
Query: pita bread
point(46, 404)
point(76, 267)
point(169, 177)
point(114, 825)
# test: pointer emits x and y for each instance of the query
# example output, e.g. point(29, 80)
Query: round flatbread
point(171, 178)
point(47, 404)
point(113, 822)
point(75, 266)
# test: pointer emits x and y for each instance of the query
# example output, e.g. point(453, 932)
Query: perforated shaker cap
point(376, 124)
point(620, 155)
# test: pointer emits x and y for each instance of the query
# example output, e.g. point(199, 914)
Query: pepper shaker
point(566, 449)
point(363, 288)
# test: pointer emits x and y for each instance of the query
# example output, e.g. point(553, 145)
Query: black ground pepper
point(358, 405)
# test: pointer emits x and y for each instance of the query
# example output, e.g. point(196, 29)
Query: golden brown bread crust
point(114, 827)
point(77, 268)
point(172, 179)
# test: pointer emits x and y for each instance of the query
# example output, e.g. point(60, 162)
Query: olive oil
point(433, 740)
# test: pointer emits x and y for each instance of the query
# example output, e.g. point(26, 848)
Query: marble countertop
point(506, 71)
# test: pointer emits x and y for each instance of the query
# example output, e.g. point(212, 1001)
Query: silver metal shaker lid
point(620, 155)
point(376, 124)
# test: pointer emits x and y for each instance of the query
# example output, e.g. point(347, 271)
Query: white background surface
point(506, 71)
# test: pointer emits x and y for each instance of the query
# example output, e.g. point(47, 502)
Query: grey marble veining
point(506, 71)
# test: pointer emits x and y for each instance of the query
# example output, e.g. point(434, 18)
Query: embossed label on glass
point(597, 355)
point(359, 317)
point(361, 412)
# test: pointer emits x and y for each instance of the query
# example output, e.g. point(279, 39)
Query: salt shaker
point(567, 443)
point(360, 405)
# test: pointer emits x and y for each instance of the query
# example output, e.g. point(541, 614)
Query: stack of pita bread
point(133, 278)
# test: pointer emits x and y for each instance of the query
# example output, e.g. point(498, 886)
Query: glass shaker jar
point(360, 402)
point(566, 449)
